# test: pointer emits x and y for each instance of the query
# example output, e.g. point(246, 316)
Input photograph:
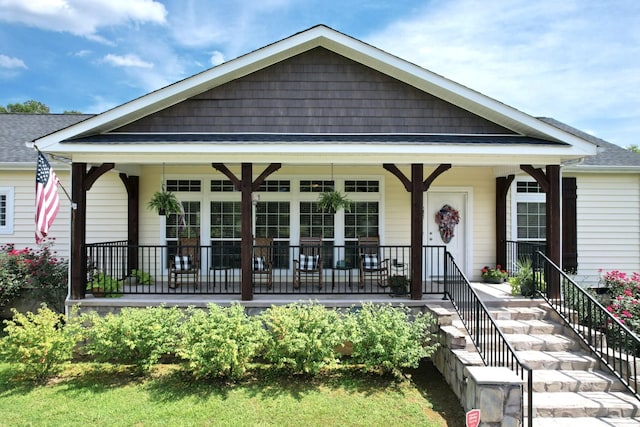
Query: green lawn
point(103, 395)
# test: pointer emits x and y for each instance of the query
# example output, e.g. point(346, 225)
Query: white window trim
point(522, 197)
point(8, 192)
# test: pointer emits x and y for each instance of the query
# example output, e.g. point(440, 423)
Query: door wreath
point(447, 218)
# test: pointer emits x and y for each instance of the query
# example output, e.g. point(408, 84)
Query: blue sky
point(577, 61)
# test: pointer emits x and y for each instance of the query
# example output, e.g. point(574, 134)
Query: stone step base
point(574, 381)
point(558, 360)
point(585, 404)
point(585, 422)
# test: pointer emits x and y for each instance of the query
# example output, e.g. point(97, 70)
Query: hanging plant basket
point(165, 203)
point(333, 201)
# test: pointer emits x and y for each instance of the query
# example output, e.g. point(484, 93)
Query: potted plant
point(142, 277)
point(102, 283)
point(165, 203)
point(399, 285)
point(333, 201)
point(494, 275)
point(523, 282)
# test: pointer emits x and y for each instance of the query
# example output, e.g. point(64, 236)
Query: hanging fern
point(333, 201)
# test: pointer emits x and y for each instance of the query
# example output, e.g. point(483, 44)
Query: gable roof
point(18, 128)
point(322, 36)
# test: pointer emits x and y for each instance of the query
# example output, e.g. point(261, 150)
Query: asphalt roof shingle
point(18, 128)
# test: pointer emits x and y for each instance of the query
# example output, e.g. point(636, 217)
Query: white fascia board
point(312, 154)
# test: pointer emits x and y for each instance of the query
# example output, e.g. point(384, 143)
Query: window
point(225, 233)
point(316, 186)
point(187, 185)
point(184, 226)
point(362, 221)
point(220, 185)
point(6, 210)
point(273, 219)
point(361, 186)
point(314, 222)
point(530, 222)
point(275, 186)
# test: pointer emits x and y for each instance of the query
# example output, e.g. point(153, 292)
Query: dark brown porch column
point(550, 183)
point(247, 232)
point(553, 228)
point(502, 188)
point(417, 215)
point(78, 259)
point(132, 185)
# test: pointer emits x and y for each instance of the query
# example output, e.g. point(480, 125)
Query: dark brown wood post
point(417, 214)
point(502, 188)
point(553, 212)
point(247, 232)
point(78, 259)
point(132, 184)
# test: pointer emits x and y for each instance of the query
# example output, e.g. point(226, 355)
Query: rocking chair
point(309, 262)
point(186, 261)
point(371, 261)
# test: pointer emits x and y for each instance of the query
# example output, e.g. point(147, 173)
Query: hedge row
point(222, 341)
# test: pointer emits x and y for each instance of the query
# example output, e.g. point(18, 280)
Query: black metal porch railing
point(219, 270)
point(492, 345)
point(516, 251)
point(612, 342)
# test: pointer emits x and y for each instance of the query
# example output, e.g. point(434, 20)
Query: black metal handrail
point(490, 342)
point(611, 341)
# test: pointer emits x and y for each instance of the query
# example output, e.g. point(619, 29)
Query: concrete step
point(584, 404)
point(584, 422)
point(509, 326)
point(564, 360)
point(541, 342)
point(574, 381)
point(519, 313)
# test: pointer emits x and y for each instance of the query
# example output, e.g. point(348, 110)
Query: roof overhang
point(319, 36)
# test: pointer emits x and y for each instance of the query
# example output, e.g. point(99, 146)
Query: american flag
point(47, 200)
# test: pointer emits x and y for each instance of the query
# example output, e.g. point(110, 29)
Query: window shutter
point(569, 226)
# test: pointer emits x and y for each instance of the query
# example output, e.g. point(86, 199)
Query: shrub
point(302, 337)
point(38, 269)
point(388, 338)
point(39, 343)
point(624, 297)
point(136, 336)
point(221, 341)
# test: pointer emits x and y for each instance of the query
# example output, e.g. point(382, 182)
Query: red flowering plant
point(497, 274)
point(624, 297)
point(35, 269)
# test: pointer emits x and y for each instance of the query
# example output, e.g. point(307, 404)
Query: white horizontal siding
point(608, 224)
point(106, 215)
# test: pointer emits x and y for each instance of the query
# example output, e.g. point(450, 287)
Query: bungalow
point(247, 146)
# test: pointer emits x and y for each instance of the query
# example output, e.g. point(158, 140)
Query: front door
point(445, 218)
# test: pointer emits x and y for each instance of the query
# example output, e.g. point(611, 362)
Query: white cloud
point(81, 17)
point(10, 62)
point(571, 60)
point(217, 58)
point(82, 53)
point(130, 60)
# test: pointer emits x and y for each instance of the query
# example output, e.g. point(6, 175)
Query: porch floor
point(491, 295)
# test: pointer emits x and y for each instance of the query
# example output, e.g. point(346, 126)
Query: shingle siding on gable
point(315, 92)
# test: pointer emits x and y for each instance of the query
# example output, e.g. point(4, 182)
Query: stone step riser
point(575, 387)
